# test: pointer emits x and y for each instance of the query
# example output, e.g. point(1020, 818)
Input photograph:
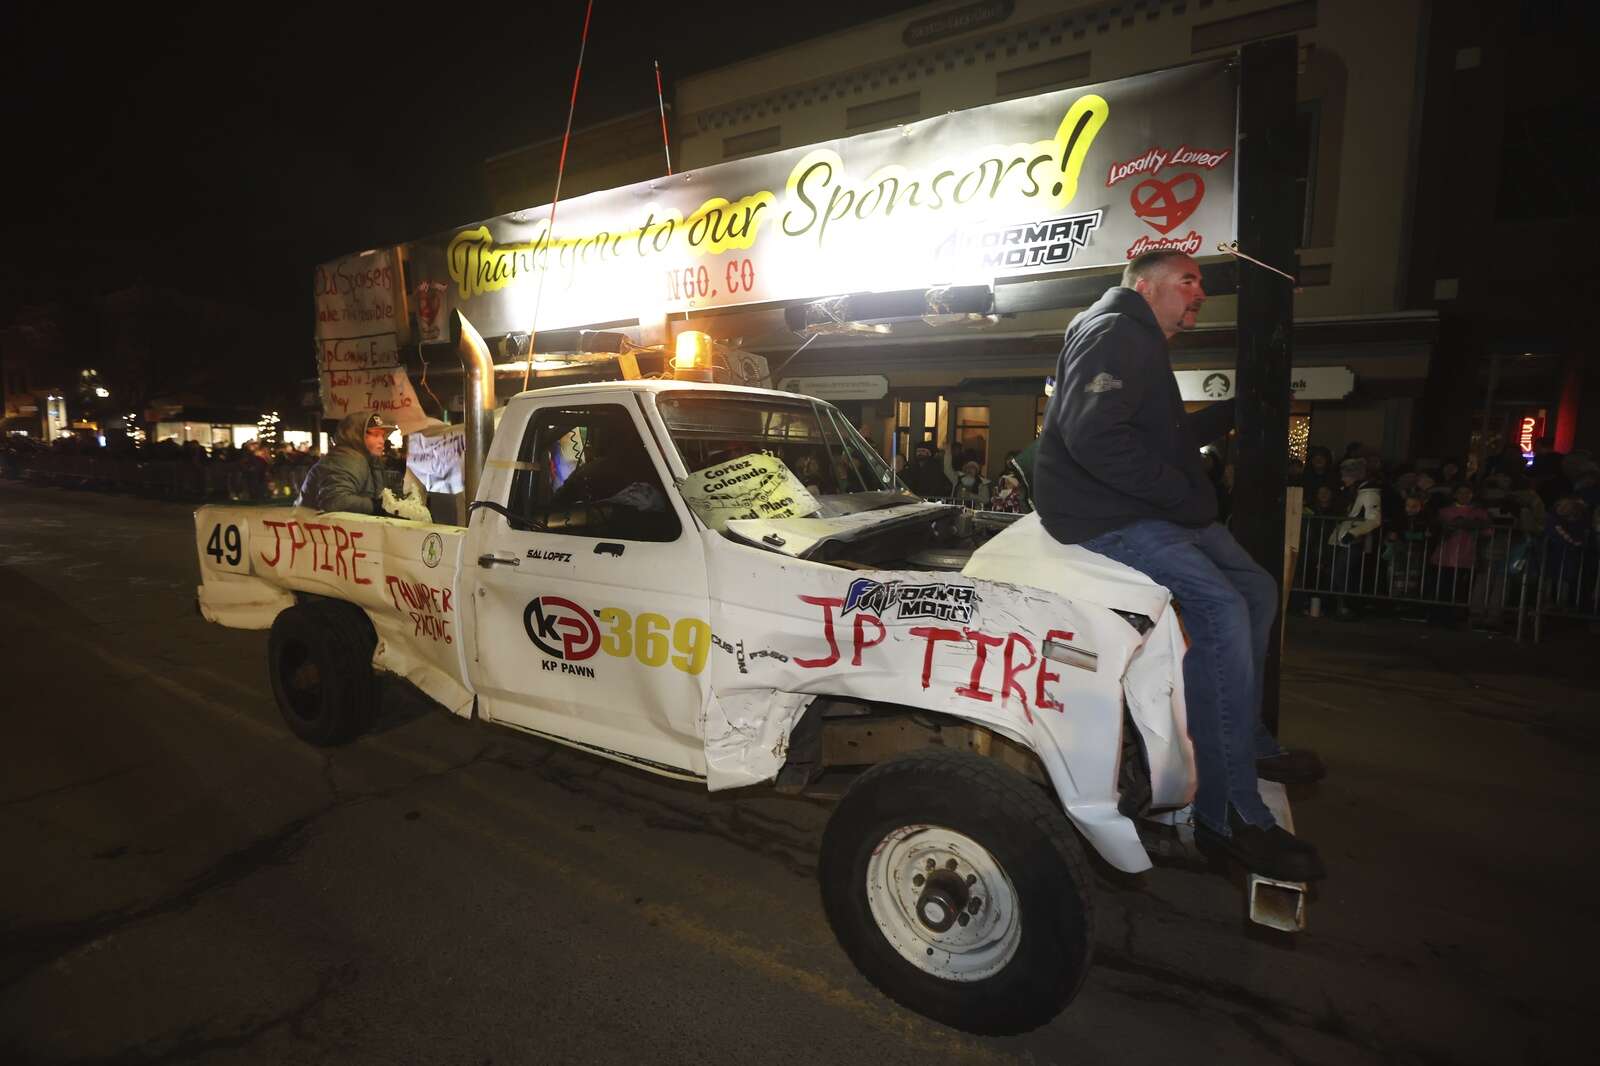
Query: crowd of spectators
point(1460, 534)
point(1441, 536)
point(958, 476)
point(256, 471)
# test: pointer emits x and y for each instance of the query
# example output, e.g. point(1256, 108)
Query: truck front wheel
point(959, 890)
point(319, 656)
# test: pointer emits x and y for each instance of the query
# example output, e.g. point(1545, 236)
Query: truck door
point(589, 587)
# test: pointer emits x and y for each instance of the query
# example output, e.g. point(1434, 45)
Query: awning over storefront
point(31, 424)
point(1381, 351)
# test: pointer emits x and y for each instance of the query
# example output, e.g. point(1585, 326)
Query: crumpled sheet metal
point(1154, 690)
point(747, 734)
point(788, 628)
point(401, 573)
point(240, 601)
point(1025, 553)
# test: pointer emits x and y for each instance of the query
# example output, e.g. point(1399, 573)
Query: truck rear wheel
point(319, 656)
point(959, 890)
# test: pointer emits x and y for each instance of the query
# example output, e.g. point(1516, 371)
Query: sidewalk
point(1549, 688)
point(1550, 685)
point(1567, 647)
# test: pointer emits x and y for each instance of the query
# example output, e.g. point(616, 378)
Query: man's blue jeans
point(1229, 605)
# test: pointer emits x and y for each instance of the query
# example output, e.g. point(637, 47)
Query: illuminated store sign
point(1305, 382)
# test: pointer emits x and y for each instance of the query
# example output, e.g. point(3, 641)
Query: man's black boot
point(1273, 852)
point(1294, 767)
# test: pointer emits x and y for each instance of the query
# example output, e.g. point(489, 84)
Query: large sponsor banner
point(1080, 178)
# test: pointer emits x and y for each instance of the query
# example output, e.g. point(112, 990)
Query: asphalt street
point(185, 882)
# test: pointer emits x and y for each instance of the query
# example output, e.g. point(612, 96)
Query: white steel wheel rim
point(911, 879)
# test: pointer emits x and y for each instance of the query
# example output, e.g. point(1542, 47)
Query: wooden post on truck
point(1268, 231)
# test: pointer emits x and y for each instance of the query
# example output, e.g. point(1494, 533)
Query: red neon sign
point(1525, 434)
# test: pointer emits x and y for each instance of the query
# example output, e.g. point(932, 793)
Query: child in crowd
point(1320, 509)
point(1566, 528)
point(1462, 524)
point(1405, 548)
point(1438, 496)
point(1008, 497)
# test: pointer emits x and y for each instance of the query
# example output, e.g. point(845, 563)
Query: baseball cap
point(377, 421)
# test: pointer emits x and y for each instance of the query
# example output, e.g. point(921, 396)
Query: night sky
point(225, 151)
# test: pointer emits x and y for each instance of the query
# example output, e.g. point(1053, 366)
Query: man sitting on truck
point(350, 476)
point(1118, 471)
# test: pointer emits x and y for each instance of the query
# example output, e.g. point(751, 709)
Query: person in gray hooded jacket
point(1119, 472)
point(350, 476)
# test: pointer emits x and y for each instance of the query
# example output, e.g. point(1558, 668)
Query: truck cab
point(584, 543)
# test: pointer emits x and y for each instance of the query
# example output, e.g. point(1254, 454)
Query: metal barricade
point(1567, 581)
point(1475, 569)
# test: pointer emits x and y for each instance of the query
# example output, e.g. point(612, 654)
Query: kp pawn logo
point(560, 628)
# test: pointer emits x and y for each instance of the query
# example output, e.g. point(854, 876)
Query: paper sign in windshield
point(752, 486)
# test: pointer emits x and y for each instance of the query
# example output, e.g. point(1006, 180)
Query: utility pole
point(1270, 232)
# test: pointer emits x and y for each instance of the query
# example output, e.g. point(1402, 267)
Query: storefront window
point(902, 430)
point(972, 435)
point(921, 423)
point(1299, 434)
point(935, 423)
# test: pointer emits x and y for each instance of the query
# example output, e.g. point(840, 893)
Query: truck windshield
point(812, 439)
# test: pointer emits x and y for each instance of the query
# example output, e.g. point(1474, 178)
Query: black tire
point(319, 659)
point(1026, 836)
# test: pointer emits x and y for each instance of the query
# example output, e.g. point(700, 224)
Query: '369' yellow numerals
point(645, 638)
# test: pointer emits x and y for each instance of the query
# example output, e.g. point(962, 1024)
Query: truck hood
point(801, 538)
point(1026, 554)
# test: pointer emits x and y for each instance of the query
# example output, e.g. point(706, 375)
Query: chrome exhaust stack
point(1277, 905)
point(477, 368)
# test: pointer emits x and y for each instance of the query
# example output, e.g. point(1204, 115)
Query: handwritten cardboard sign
point(437, 456)
point(751, 486)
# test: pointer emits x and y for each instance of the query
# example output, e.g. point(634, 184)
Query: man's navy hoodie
point(1117, 446)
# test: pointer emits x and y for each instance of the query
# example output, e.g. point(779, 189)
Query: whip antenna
point(550, 231)
point(661, 101)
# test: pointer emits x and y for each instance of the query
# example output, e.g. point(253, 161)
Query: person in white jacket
point(972, 488)
point(1355, 561)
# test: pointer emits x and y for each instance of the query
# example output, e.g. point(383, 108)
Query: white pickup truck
point(726, 585)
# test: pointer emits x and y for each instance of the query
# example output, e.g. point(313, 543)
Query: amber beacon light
point(692, 360)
